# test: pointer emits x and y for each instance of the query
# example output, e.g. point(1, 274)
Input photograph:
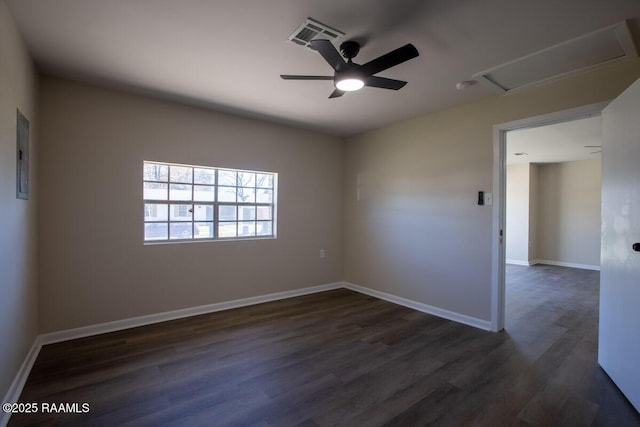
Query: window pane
point(246, 229)
point(180, 230)
point(180, 192)
point(246, 213)
point(204, 176)
point(203, 230)
point(264, 196)
point(226, 194)
point(263, 228)
point(180, 202)
point(155, 172)
point(156, 231)
point(246, 195)
point(227, 213)
point(227, 229)
point(180, 174)
point(226, 177)
point(246, 179)
point(204, 193)
point(203, 212)
point(264, 212)
point(155, 191)
point(264, 180)
point(180, 212)
point(155, 212)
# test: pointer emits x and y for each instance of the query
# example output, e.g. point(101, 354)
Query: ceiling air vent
point(312, 29)
point(580, 54)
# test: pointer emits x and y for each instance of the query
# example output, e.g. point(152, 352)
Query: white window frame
point(264, 183)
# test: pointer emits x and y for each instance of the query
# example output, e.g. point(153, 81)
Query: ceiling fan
point(349, 76)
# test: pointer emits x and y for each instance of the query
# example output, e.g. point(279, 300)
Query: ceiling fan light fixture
point(350, 84)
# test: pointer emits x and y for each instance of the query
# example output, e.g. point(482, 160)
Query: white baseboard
point(518, 262)
point(445, 314)
point(134, 322)
point(13, 394)
point(566, 264)
point(118, 325)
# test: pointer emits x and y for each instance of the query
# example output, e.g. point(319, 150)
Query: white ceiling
point(228, 54)
point(561, 142)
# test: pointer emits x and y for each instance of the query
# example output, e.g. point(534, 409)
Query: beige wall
point(569, 212)
point(517, 213)
point(94, 266)
point(18, 268)
point(416, 230)
point(553, 213)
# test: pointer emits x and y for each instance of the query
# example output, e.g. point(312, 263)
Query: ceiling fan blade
point(391, 59)
point(384, 83)
point(329, 53)
point(336, 93)
point(294, 77)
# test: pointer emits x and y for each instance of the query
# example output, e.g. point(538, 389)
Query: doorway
point(552, 221)
point(501, 152)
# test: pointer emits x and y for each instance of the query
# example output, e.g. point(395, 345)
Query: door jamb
point(499, 191)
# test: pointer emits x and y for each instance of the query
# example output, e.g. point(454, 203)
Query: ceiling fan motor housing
point(349, 49)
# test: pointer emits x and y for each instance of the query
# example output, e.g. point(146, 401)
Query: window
point(183, 202)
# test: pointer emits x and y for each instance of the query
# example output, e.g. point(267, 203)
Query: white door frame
point(499, 192)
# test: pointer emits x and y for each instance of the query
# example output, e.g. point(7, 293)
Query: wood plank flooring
point(342, 358)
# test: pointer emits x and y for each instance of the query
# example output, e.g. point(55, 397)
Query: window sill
point(230, 239)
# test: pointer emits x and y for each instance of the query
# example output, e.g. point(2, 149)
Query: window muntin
point(185, 202)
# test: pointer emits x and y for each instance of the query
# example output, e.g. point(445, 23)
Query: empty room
point(295, 213)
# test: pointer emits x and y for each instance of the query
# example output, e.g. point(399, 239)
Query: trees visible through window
point(185, 202)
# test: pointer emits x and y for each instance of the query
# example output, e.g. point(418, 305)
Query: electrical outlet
point(323, 253)
point(488, 199)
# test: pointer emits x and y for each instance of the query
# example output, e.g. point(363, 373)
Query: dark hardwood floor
point(342, 358)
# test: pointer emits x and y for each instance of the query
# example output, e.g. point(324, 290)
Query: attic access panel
point(592, 50)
